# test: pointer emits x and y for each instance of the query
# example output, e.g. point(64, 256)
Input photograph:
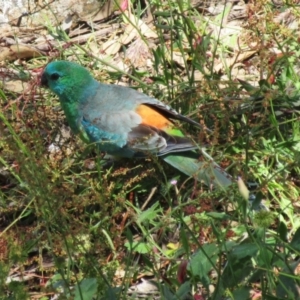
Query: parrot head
point(65, 78)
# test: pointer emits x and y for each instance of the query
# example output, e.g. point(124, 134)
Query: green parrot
point(126, 123)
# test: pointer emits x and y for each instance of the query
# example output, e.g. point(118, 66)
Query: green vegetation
point(77, 225)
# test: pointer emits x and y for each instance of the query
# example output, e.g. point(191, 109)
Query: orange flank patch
point(153, 118)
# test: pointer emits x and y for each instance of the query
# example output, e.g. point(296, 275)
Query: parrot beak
point(44, 81)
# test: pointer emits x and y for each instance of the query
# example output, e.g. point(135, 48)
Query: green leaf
point(112, 293)
point(183, 291)
point(248, 87)
point(282, 231)
point(236, 271)
point(288, 282)
point(150, 214)
point(295, 243)
point(218, 216)
point(86, 289)
point(203, 261)
point(139, 247)
point(244, 250)
point(239, 264)
point(241, 293)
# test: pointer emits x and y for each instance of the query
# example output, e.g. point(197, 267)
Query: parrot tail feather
point(207, 171)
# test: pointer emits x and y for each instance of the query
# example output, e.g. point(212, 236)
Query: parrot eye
point(54, 76)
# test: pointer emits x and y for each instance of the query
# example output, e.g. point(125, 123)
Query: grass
point(75, 225)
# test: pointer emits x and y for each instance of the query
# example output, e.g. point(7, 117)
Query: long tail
point(207, 170)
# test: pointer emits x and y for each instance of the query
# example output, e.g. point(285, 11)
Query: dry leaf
point(111, 47)
point(16, 86)
point(138, 53)
point(238, 57)
point(18, 52)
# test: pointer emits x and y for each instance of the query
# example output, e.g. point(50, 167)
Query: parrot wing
point(127, 130)
point(131, 120)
